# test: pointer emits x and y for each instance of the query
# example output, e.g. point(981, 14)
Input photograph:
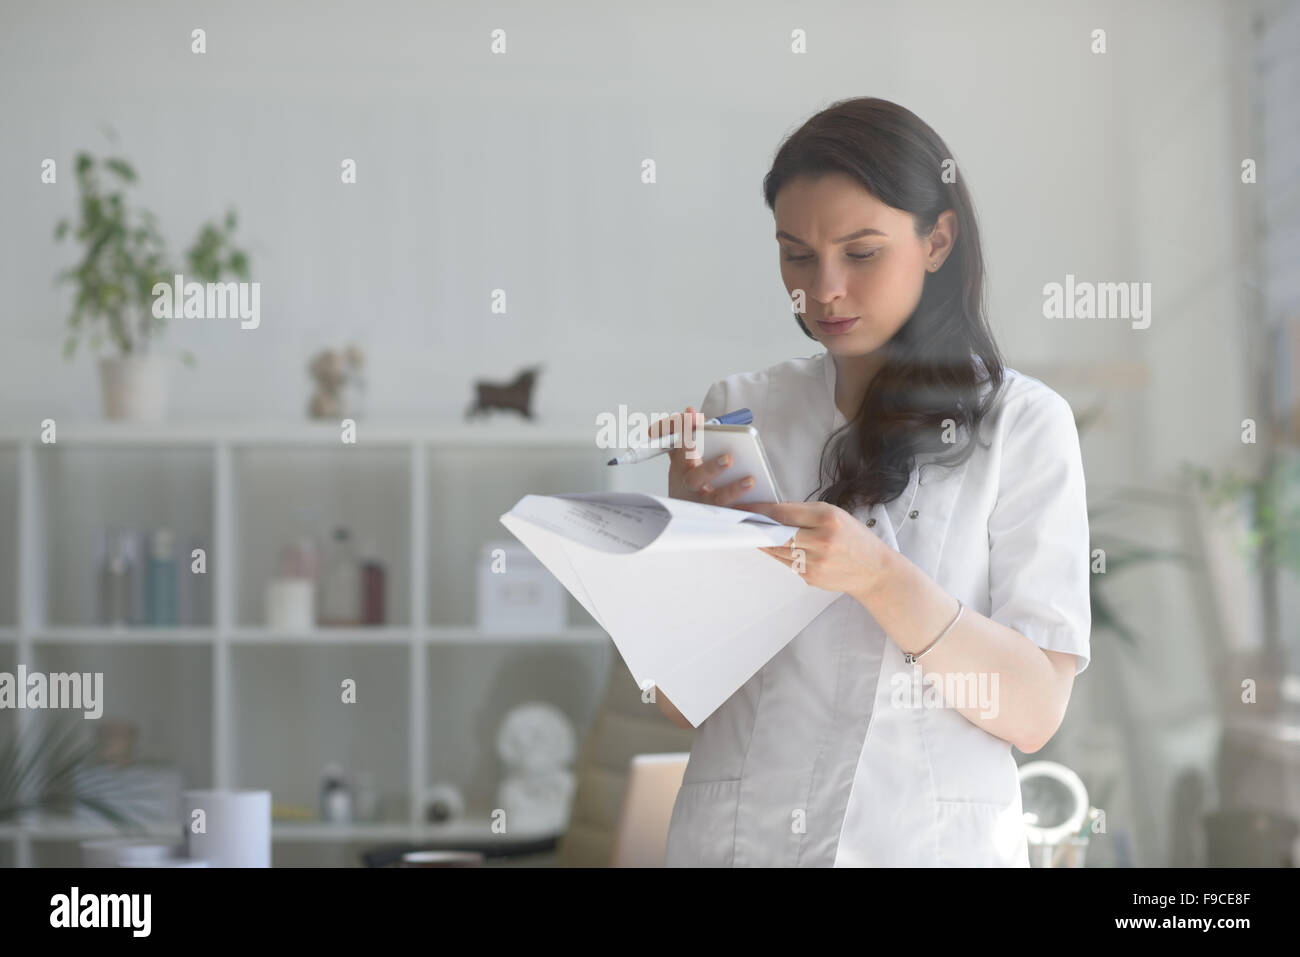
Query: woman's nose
point(828, 284)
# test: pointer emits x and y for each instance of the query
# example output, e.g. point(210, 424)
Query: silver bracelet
point(912, 659)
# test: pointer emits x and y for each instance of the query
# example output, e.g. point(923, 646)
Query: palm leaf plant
point(49, 767)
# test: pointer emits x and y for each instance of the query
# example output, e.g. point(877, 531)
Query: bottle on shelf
point(160, 580)
point(340, 583)
point(373, 586)
point(117, 572)
point(301, 559)
point(291, 595)
point(139, 548)
point(335, 798)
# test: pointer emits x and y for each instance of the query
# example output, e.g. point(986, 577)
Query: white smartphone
point(747, 458)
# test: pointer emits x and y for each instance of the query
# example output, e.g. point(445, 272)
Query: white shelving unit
point(431, 494)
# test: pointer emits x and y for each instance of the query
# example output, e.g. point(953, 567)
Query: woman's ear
point(942, 238)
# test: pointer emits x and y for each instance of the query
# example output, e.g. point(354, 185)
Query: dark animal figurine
point(517, 395)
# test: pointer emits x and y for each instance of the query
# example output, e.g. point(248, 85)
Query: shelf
point(438, 635)
point(74, 830)
point(372, 635)
point(488, 433)
point(77, 494)
point(230, 702)
point(478, 830)
point(365, 635)
point(472, 636)
point(278, 494)
point(105, 634)
point(325, 831)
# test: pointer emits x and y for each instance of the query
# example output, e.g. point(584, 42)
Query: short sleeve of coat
point(715, 400)
point(1038, 529)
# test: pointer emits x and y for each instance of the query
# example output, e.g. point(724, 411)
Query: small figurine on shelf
point(537, 745)
point(443, 804)
point(335, 798)
point(516, 395)
point(336, 374)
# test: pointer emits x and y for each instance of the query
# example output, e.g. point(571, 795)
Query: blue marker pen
point(649, 451)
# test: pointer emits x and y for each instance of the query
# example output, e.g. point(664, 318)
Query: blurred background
point(436, 228)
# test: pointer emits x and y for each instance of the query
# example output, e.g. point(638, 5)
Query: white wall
point(522, 172)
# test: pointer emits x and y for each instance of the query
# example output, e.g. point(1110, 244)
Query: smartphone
point(747, 458)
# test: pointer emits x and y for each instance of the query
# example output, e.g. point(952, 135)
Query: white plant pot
point(135, 387)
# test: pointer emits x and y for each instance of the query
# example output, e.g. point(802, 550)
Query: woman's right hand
point(691, 478)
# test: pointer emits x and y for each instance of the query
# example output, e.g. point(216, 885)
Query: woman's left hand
point(832, 549)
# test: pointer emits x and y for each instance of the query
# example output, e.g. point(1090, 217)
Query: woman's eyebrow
point(782, 234)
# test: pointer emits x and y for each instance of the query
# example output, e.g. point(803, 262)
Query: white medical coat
point(809, 763)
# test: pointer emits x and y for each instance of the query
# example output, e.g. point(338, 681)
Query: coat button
point(870, 522)
point(913, 513)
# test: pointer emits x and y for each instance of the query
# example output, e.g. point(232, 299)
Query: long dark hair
point(930, 372)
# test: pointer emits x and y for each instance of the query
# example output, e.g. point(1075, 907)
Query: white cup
point(236, 827)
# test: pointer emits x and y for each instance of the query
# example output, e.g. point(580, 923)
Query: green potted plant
point(1258, 557)
point(1272, 503)
point(123, 256)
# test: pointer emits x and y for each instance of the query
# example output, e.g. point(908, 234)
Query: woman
point(940, 492)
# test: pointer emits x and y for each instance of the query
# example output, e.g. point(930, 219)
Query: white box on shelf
point(516, 594)
point(291, 604)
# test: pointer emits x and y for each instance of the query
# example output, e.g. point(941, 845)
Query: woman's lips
point(836, 326)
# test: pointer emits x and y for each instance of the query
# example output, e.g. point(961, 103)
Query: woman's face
point(854, 258)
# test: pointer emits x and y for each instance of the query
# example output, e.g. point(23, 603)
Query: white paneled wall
point(522, 172)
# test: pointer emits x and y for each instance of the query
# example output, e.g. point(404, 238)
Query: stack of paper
point(691, 603)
